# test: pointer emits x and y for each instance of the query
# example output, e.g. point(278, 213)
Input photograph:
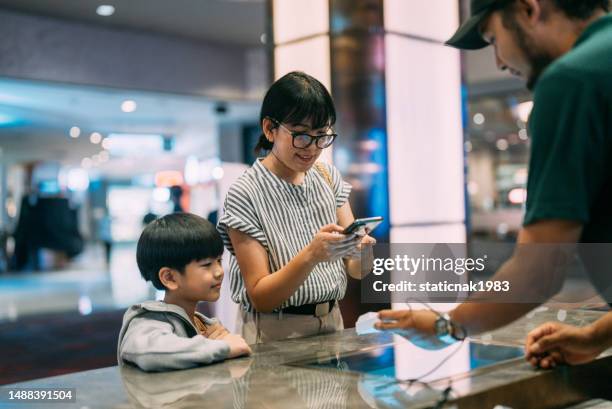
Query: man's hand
point(554, 343)
point(418, 326)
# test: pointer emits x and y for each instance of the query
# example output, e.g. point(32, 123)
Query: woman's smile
point(305, 158)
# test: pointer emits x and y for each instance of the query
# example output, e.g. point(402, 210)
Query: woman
point(283, 221)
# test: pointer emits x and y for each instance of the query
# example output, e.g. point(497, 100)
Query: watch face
point(441, 326)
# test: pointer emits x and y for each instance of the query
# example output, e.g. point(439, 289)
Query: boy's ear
point(168, 278)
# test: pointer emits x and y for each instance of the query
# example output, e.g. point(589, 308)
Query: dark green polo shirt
point(570, 170)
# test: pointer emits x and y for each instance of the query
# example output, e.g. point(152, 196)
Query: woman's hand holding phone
point(329, 244)
point(366, 242)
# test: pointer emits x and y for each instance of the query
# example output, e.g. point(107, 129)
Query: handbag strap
point(319, 167)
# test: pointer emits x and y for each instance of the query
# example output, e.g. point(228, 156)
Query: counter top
point(269, 380)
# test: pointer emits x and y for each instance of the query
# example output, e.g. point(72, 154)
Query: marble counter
point(269, 379)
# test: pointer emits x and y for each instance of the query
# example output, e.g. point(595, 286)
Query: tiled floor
point(65, 321)
point(54, 344)
point(86, 286)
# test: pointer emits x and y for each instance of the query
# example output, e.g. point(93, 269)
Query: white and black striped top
point(284, 218)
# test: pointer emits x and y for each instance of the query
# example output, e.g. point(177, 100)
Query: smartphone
point(363, 226)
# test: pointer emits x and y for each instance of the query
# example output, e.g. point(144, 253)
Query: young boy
point(181, 254)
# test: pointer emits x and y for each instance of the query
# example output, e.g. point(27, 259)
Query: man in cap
point(563, 49)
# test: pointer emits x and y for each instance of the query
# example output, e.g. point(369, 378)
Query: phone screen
point(363, 226)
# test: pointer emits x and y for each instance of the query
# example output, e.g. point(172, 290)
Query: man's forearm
point(535, 272)
point(478, 317)
point(534, 276)
point(602, 331)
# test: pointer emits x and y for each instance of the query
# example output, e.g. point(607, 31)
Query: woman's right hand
point(329, 244)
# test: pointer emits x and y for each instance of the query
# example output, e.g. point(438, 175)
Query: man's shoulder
point(563, 69)
point(589, 62)
point(564, 77)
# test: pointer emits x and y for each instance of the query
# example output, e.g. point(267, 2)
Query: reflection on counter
point(405, 362)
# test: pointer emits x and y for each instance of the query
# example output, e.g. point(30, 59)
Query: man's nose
point(500, 64)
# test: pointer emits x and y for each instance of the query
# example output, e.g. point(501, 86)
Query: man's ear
point(168, 277)
point(529, 10)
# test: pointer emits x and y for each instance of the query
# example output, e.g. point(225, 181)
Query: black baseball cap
point(468, 35)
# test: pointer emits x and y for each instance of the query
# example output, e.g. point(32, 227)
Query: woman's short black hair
point(174, 241)
point(295, 98)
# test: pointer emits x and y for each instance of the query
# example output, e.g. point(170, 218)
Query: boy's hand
point(216, 331)
point(238, 345)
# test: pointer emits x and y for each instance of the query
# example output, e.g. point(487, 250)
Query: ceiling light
point(105, 10)
point(75, 132)
point(479, 119)
point(95, 137)
point(128, 106)
point(120, 144)
point(502, 144)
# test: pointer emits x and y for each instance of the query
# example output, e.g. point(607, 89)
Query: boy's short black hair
point(174, 241)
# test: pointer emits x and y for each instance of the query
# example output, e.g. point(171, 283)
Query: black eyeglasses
point(303, 140)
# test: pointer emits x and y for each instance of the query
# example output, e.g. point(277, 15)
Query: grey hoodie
point(156, 336)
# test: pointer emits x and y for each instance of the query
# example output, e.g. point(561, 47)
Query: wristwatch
point(447, 331)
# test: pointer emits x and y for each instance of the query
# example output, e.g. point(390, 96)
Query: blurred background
point(113, 113)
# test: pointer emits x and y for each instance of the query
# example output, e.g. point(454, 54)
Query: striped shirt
point(284, 218)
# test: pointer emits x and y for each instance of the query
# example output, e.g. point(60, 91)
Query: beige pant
point(258, 327)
